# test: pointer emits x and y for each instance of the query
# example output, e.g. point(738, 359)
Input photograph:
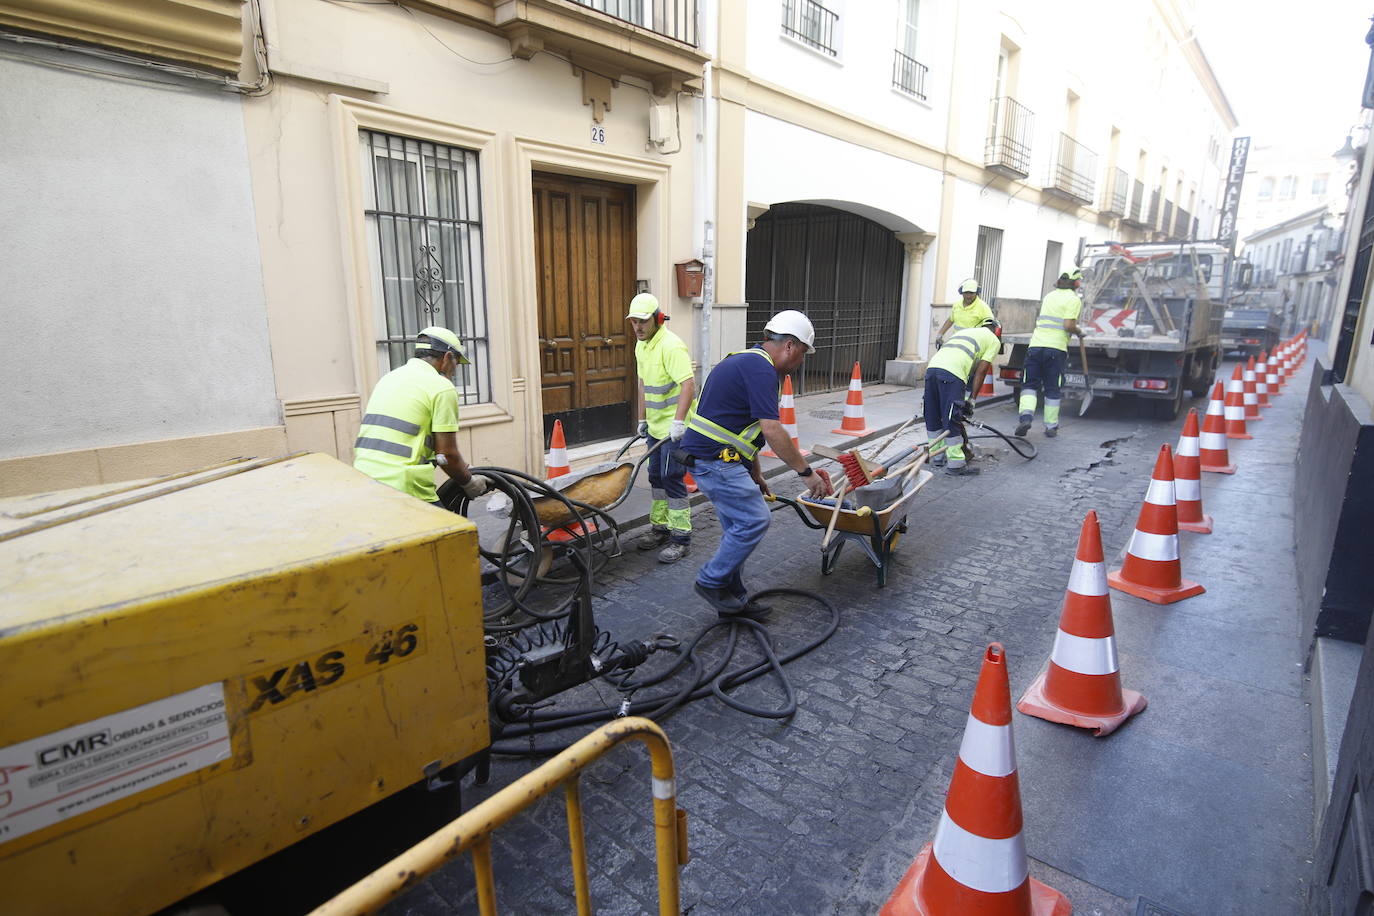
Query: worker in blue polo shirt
point(737, 411)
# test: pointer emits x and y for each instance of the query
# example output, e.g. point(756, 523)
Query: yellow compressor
point(198, 671)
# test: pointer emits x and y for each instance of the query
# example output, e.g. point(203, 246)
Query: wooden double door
point(584, 235)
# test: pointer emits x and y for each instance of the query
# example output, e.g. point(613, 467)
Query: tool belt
point(688, 460)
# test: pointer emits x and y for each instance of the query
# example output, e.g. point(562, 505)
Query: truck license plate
point(1073, 378)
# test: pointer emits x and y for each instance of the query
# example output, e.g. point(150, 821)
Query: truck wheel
point(1200, 378)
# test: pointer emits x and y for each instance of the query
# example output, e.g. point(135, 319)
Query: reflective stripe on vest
point(962, 344)
point(401, 426)
point(741, 441)
point(381, 445)
point(1051, 323)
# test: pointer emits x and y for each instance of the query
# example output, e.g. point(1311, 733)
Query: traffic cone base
point(1185, 589)
point(1202, 527)
point(1038, 899)
point(1034, 703)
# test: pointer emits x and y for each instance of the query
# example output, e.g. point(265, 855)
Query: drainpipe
point(706, 190)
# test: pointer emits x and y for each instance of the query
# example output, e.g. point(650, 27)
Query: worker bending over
point(666, 389)
point(411, 422)
point(738, 406)
point(1049, 351)
point(953, 374)
point(969, 312)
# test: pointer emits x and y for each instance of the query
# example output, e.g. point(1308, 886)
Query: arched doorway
point(844, 271)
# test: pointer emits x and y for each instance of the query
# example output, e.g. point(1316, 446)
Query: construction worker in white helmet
point(1048, 352)
point(666, 391)
point(951, 378)
point(969, 312)
point(411, 422)
point(737, 411)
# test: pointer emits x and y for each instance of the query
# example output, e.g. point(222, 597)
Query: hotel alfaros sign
point(1230, 203)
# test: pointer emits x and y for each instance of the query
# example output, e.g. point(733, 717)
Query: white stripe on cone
point(1160, 493)
point(991, 866)
point(1188, 490)
point(1084, 655)
point(1235, 412)
point(1187, 447)
point(853, 410)
point(856, 384)
point(1214, 442)
point(1088, 579)
point(988, 749)
point(1158, 547)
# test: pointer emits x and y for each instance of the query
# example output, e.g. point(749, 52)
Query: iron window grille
point(1152, 218)
point(1074, 171)
point(987, 261)
point(1117, 193)
point(810, 23)
point(1166, 225)
point(424, 224)
point(1008, 148)
point(1137, 201)
point(909, 75)
point(676, 19)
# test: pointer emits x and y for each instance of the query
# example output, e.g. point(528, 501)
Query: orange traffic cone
point(1290, 363)
point(1188, 479)
point(1262, 379)
point(1213, 452)
point(1151, 569)
point(1271, 373)
point(1081, 683)
point(787, 415)
point(853, 422)
point(1250, 392)
point(557, 462)
point(988, 391)
point(977, 861)
point(1235, 407)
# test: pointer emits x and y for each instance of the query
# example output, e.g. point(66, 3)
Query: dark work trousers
point(669, 507)
point(944, 392)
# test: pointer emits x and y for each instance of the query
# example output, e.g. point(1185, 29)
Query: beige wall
point(376, 67)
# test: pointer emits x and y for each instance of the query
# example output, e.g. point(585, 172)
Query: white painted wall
point(133, 293)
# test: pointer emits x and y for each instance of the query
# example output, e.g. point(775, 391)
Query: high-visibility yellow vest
point(742, 441)
point(396, 440)
point(659, 359)
point(1058, 306)
point(969, 316)
point(962, 352)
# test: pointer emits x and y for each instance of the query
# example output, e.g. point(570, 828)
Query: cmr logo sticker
point(280, 685)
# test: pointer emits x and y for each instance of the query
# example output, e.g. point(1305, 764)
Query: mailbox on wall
point(689, 278)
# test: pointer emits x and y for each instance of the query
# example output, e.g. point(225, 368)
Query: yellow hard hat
point(442, 340)
point(1072, 274)
point(643, 306)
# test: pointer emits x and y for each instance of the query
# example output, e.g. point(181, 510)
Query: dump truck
point(1251, 323)
point(1153, 315)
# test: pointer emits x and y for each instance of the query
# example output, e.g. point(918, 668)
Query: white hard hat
point(969, 286)
point(441, 340)
point(795, 323)
point(644, 305)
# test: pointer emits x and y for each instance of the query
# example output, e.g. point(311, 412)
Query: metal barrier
point(472, 831)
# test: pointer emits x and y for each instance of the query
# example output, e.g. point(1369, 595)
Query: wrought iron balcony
point(1152, 217)
point(810, 23)
point(1073, 174)
point(909, 75)
point(1117, 193)
point(1137, 203)
point(1183, 223)
point(1008, 150)
point(1166, 225)
point(676, 19)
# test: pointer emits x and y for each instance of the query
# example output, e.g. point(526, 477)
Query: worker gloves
point(642, 430)
point(939, 342)
point(476, 486)
point(965, 409)
point(679, 429)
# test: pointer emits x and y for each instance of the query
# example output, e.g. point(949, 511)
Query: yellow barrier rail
point(472, 831)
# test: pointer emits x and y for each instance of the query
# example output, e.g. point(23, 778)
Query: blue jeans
point(743, 518)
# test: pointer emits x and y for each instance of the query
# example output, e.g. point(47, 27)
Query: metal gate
point(844, 272)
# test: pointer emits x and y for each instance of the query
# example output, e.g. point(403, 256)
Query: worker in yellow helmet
point(951, 378)
point(666, 390)
point(411, 422)
point(1048, 352)
point(969, 312)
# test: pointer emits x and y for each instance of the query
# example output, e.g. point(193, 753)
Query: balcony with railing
point(1183, 223)
point(1116, 193)
point(1137, 204)
point(1008, 150)
point(909, 75)
point(1073, 174)
point(1152, 217)
point(651, 39)
point(811, 23)
point(1166, 224)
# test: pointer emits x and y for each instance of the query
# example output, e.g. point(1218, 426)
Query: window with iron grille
point(987, 260)
point(811, 23)
point(424, 225)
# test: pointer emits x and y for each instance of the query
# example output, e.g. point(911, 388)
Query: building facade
point(1292, 269)
point(285, 192)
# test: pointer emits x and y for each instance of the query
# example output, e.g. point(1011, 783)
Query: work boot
point(675, 551)
point(939, 460)
point(719, 598)
point(652, 539)
point(1023, 424)
point(1051, 431)
point(965, 471)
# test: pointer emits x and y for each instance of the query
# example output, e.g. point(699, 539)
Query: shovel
point(1087, 379)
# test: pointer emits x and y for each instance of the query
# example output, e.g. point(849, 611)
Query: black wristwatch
point(806, 473)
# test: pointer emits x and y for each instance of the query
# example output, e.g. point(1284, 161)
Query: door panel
point(585, 242)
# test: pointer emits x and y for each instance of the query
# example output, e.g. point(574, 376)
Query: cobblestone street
point(822, 813)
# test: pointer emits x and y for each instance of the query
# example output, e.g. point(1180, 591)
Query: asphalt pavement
point(1201, 805)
